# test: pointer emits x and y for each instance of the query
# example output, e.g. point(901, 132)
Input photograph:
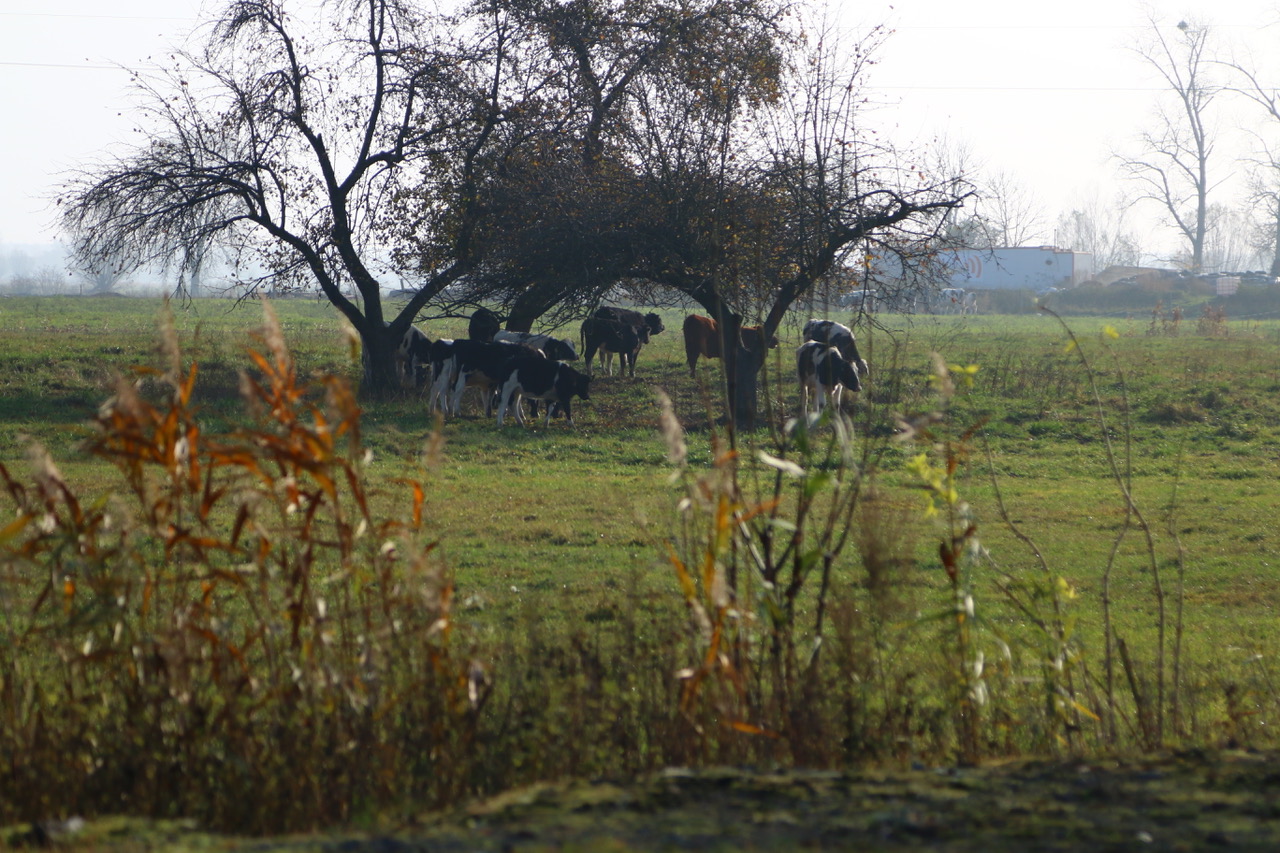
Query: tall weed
point(230, 634)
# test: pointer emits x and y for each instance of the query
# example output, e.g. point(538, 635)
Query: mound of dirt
point(1180, 801)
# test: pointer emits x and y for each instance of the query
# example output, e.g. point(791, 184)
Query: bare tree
point(44, 281)
point(1012, 211)
point(1264, 172)
point(1231, 243)
point(1097, 227)
point(293, 145)
point(756, 202)
point(1172, 168)
point(1264, 198)
point(1005, 213)
point(101, 274)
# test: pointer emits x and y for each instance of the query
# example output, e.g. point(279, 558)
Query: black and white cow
point(610, 337)
point(552, 382)
point(824, 373)
point(956, 300)
point(833, 334)
point(413, 358)
point(467, 364)
point(442, 376)
point(553, 348)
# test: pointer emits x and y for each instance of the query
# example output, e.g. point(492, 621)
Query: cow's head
point(752, 336)
point(570, 382)
point(653, 323)
point(849, 376)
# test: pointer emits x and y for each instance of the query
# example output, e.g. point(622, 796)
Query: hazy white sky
point(1044, 92)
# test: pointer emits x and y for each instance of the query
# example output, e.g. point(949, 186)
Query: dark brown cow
point(702, 338)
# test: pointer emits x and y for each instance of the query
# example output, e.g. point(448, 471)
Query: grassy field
point(567, 619)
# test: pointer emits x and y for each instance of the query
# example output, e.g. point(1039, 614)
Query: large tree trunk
point(535, 301)
point(741, 373)
point(378, 360)
point(745, 398)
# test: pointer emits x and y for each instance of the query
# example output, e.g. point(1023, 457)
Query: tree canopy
point(528, 153)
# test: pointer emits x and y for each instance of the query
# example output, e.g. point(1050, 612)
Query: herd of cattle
point(510, 368)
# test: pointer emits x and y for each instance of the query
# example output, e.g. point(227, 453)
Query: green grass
point(555, 539)
point(1205, 408)
point(506, 502)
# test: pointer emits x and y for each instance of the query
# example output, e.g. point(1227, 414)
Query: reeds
point(229, 633)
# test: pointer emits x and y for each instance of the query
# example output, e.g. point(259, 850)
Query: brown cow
point(702, 338)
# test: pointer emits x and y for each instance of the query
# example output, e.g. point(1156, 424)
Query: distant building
point(1031, 267)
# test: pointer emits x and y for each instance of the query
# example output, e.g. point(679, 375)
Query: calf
point(833, 334)
point(702, 338)
point(610, 337)
point(553, 348)
point(823, 371)
point(553, 382)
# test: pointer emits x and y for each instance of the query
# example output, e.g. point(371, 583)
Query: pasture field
point(569, 623)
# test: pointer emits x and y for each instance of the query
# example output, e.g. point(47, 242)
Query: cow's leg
point(516, 400)
point(433, 394)
point(459, 386)
point(488, 390)
point(508, 391)
point(436, 397)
